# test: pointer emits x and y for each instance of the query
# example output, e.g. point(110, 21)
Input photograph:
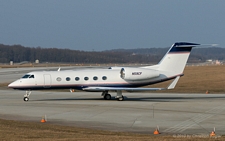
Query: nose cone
point(13, 84)
point(10, 85)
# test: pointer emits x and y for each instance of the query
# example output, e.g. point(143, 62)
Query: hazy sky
point(111, 24)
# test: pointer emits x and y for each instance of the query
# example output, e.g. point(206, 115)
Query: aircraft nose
point(13, 84)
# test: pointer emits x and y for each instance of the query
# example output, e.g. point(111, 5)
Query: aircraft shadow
point(144, 99)
point(172, 99)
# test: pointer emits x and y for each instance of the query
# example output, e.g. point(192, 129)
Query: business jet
point(116, 79)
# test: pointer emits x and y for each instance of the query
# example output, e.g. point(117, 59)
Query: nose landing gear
point(26, 96)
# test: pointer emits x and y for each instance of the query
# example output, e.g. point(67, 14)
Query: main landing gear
point(107, 96)
point(119, 96)
point(26, 96)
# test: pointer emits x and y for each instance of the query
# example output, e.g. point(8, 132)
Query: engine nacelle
point(138, 73)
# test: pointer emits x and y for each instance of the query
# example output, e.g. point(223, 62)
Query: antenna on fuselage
point(59, 69)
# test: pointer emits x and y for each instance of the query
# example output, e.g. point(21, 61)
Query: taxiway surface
point(140, 112)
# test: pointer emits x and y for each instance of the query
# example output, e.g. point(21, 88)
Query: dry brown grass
point(17, 130)
point(199, 79)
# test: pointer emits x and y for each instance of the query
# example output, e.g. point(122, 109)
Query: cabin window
point(32, 76)
point(95, 78)
point(26, 76)
point(86, 78)
point(68, 79)
point(77, 78)
point(58, 79)
point(104, 77)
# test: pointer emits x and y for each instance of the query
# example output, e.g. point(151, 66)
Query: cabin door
point(47, 80)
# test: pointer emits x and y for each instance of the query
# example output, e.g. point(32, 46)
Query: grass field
point(199, 79)
point(17, 130)
point(196, 80)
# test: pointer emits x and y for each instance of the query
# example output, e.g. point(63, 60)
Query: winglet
point(173, 84)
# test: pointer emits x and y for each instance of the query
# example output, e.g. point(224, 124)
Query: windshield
point(26, 76)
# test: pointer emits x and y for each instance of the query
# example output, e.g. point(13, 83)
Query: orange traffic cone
point(43, 120)
point(213, 133)
point(156, 132)
point(207, 92)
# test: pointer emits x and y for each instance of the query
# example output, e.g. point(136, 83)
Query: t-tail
point(176, 58)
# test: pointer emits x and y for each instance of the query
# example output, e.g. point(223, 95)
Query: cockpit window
point(32, 76)
point(26, 76)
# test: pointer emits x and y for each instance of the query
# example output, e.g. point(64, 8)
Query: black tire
point(107, 97)
point(26, 99)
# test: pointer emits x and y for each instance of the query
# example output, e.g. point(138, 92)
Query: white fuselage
point(78, 79)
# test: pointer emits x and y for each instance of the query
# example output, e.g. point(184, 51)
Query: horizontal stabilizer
point(185, 44)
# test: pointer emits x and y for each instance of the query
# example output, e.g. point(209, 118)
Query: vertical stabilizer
point(176, 58)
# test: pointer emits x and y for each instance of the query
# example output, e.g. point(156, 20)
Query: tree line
point(18, 53)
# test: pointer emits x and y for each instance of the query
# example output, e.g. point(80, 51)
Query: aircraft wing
point(120, 89)
point(171, 86)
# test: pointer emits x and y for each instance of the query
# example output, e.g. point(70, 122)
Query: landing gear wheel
point(26, 96)
point(120, 98)
point(107, 97)
point(26, 99)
